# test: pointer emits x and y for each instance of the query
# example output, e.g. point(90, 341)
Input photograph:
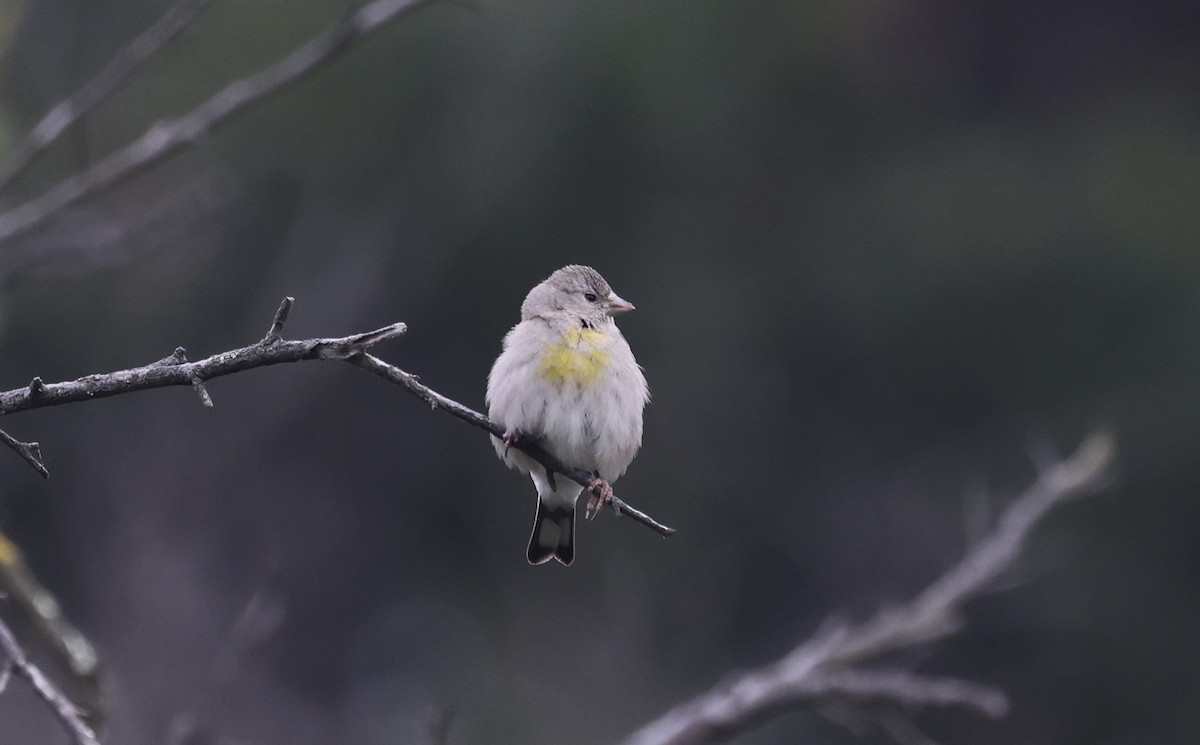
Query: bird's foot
point(601, 496)
point(513, 437)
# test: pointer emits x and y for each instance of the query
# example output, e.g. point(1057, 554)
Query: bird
point(567, 380)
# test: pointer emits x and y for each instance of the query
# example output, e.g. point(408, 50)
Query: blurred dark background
point(881, 253)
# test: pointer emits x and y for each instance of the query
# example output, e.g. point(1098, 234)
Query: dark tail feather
point(553, 535)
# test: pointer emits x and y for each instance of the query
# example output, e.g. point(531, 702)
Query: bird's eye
point(590, 297)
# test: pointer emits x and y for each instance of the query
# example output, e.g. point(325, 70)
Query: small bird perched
point(567, 379)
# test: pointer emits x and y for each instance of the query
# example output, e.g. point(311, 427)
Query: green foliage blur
point(886, 256)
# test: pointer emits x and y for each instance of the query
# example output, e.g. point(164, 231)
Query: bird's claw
point(512, 437)
point(601, 495)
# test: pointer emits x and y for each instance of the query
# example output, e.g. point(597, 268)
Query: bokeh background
point(885, 256)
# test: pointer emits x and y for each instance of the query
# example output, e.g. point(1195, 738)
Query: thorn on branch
point(202, 392)
point(178, 357)
point(275, 333)
point(371, 338)
point(359, 344)
point(30, 451)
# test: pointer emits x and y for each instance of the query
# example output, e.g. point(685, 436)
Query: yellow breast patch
point(576, 357)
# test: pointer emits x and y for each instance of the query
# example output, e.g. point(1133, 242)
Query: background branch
point(168, 136)
point(109, 79)
point(45, 628)
point(272, 349)
point(822, 666)
point(21, 666)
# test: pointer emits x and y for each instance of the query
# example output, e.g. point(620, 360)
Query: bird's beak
point(615, 305)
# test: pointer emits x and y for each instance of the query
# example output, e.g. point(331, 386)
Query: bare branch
point(113, 76)
point(30, 451)
point(821, 667)
point(906, 689)
point(23, 668)
point(273, 350)
point(169, 136)
point(933, 613)
point(176, 370)
point(474, 418)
